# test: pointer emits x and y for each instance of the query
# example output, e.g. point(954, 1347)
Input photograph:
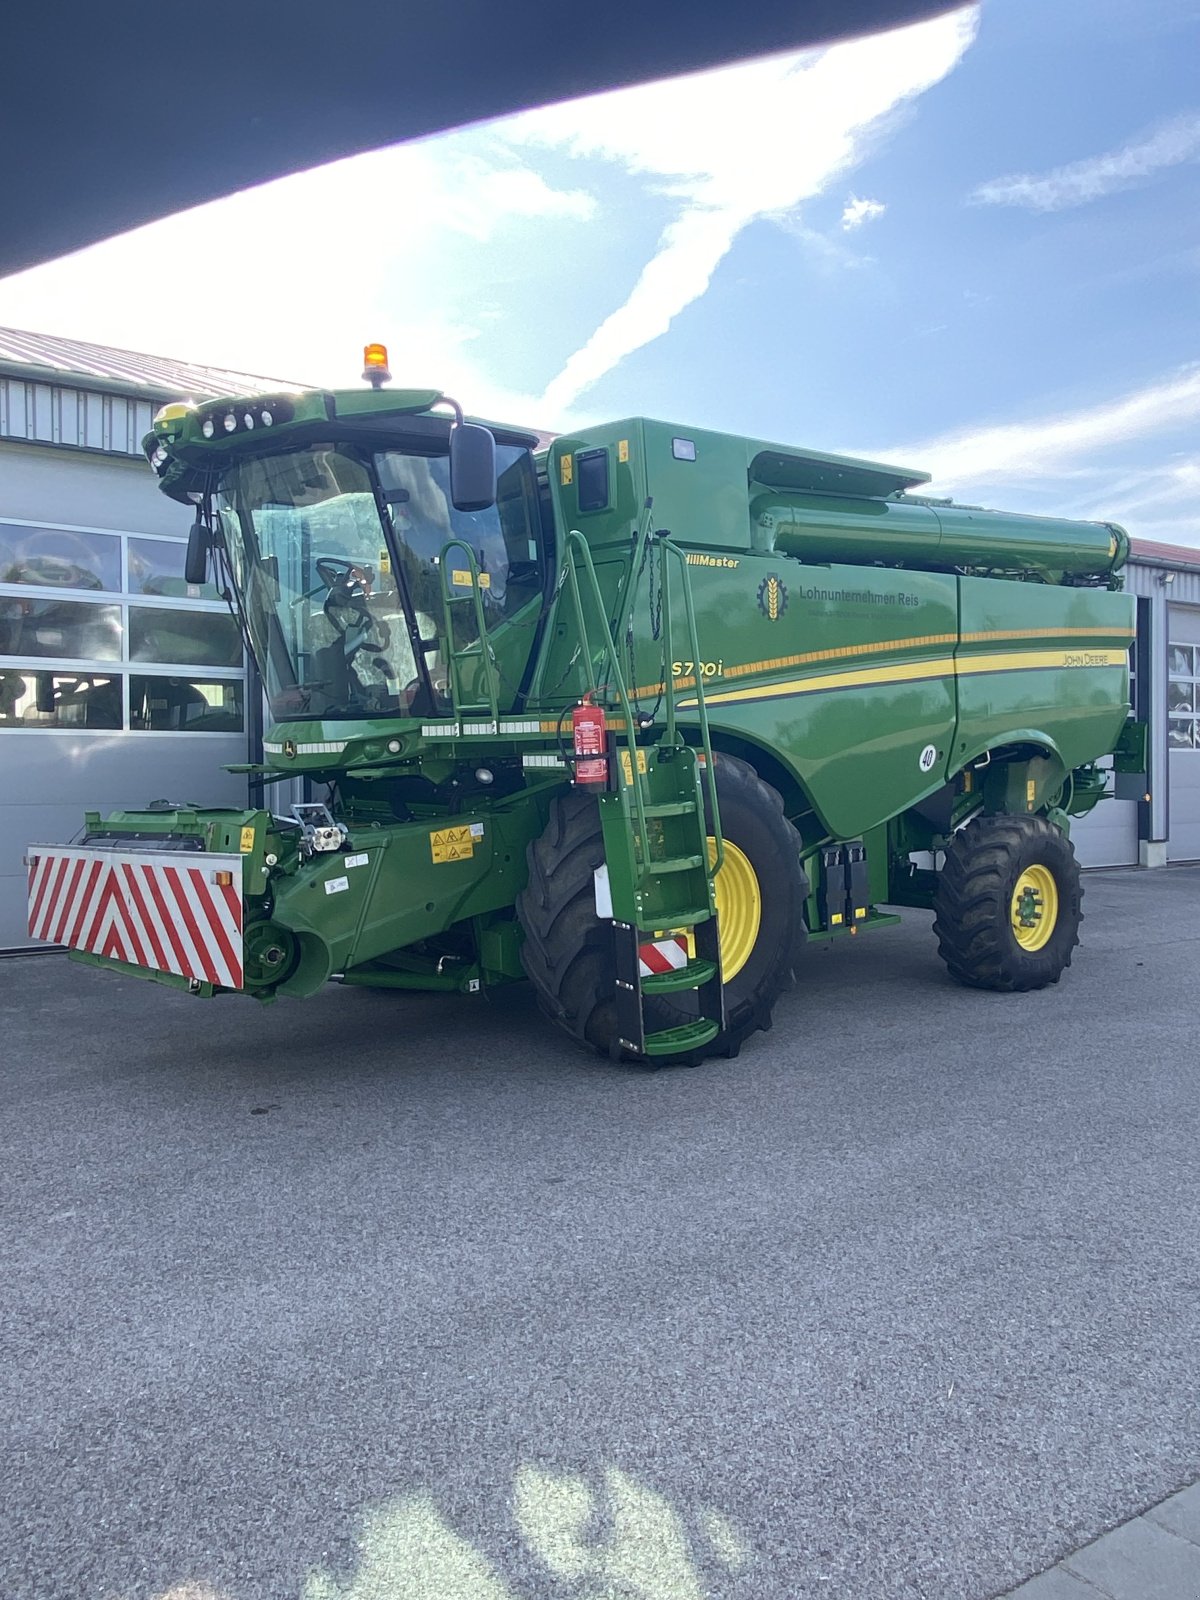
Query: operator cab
point(335, 550)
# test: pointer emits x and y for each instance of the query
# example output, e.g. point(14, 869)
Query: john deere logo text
point(772, 598)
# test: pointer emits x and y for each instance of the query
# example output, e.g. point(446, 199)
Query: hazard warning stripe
point(82, 882)
point(662, 955)
point(144, 908)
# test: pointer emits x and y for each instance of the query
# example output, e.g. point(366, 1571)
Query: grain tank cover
point(816, 473)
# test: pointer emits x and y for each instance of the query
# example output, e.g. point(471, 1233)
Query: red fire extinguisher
point(590, 735)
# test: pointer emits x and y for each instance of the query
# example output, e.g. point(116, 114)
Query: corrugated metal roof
point(98, 366)
point(1151, 552)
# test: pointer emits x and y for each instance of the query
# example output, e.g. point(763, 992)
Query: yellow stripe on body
point(913, 642)
point(915, 671)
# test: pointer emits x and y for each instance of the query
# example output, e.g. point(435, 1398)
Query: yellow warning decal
point(462, 578)
point(622, 449)
point(1030, 794)
point(385, 563)
point(627, 764)
point(566, 470)
point(452, 844)
point(247, 840)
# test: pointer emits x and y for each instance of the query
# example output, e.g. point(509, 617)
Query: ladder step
point(690, 976)
point(674, 808)
point(676, 1041)
point(655, 869)
point(683, 917)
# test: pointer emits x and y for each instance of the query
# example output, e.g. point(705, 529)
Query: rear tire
point(567, 953)
point(1008, 904)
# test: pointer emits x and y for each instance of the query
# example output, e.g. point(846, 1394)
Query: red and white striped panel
point(171, 913)
point(663, 955)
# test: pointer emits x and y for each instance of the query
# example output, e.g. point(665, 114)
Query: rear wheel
point(1008, 903)
point(760, 890)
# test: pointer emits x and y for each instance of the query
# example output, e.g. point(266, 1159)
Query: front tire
point(1008, 904)
point(567, 953)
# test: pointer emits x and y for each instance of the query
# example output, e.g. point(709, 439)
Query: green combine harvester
point(634, 716)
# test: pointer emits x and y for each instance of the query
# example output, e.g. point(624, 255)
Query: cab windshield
point(342, 601)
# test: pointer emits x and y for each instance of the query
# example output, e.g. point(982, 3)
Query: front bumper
point(179, 912)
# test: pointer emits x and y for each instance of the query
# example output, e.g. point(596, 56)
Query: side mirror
point(195, 562)
point(472, 467)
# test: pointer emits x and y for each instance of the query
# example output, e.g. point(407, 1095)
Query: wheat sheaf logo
point(772, 598)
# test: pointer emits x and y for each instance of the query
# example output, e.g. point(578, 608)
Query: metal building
point(119, 683)
point(1166, 694)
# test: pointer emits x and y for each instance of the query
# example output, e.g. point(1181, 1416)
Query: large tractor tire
point(1008, 903)
point(761, 891)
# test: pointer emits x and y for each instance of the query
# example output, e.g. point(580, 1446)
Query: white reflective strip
point(477, 729)
point(319, 747)
point(110, 925)
point(542, 761)
point(154, 917)
point(190, 966)
point(40, 869)
point(77, 900)
point(211, 949)
point(55, 888)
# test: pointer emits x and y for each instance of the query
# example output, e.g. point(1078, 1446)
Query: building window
point(58, 558)
point(198, 638)
point(100, 631)
point(34, 699)
point(155, 567)
point(35, 626)
point(185, 705)
point(1183, 696)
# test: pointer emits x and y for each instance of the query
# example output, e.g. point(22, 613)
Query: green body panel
point(890, 663)
point(403, 895)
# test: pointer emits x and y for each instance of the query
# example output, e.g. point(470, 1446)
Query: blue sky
point(971, 246)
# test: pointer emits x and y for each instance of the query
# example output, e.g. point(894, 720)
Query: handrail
point(710, 773)
point(576, 543)
point(487, 659)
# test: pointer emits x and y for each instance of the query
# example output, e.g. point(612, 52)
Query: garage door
point(1109, 836)
point(1183, 731)
point(119, 682)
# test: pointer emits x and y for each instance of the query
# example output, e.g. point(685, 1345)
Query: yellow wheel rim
point(739, 907)
point(1034, 908)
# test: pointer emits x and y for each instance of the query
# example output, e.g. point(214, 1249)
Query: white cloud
point(856, 212)
point(1078, 463)
point(292, 278)
point(733, 146)
point(1168, 145)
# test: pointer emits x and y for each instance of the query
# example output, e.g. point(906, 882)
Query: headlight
point(230, 423)
point(208, 427)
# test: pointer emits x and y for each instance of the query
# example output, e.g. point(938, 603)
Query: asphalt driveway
point(373, 1297)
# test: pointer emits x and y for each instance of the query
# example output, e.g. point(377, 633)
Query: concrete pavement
point(382, 1298)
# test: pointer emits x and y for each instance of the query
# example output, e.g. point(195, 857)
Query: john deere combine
point(633, 716)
